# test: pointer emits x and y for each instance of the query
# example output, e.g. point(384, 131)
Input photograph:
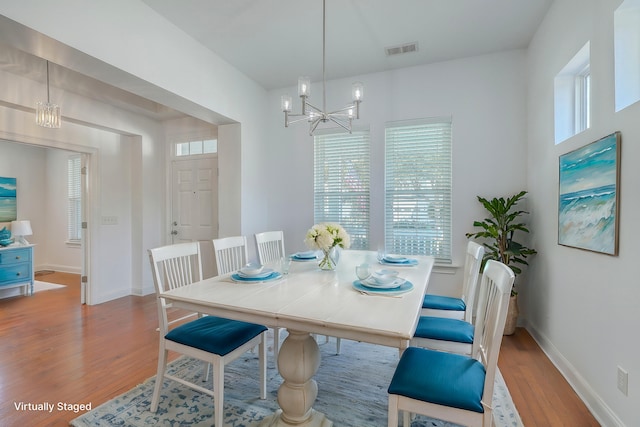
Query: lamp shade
point(21, 229)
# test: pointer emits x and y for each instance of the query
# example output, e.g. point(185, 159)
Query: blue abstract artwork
point(8, 206)
point(588, 197)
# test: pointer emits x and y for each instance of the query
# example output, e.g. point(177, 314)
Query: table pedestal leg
point(298, 362)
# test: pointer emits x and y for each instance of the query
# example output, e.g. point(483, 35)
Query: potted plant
point(498, 232)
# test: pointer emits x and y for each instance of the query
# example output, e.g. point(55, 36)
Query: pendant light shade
point(48, 113)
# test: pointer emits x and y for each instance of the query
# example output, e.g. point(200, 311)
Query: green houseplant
point(497, 235)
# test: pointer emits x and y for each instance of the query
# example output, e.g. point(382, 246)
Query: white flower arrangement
point(326, 236)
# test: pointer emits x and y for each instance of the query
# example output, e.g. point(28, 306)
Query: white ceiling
point(275, 41)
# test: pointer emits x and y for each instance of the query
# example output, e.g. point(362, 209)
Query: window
point(196, 147)
point(572, 96)
point(418, 188)
point(626, 37)
point(74, 210)
point(341, 183)
point(582, 103)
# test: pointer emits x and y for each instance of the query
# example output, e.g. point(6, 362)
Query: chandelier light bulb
point(286, 103)
point(357, 90)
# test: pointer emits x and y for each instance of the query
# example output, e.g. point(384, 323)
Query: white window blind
point(418, 188)
point(74, 219)
point(341, 183)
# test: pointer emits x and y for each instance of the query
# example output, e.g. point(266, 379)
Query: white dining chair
point(460, 307)
point(211, 339)
point(231, 253)
point(270, 245)
point(450, 334)
point(454, 387)
point(447, 334)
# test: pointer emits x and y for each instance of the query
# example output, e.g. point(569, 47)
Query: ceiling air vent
point(400, 49)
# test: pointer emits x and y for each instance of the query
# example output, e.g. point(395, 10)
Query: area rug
point(39, 286)
point(352, 392)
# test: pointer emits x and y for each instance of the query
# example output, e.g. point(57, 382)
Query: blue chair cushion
point(439, 302)
point(443, 329)
point(442, 378)
point(215, 334)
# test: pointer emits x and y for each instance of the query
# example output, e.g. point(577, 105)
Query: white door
point(194, 200)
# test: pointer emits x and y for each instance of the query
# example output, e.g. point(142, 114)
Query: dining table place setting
point(384, 282)
point(255, 273)
point(396, 260)
point(304, 256)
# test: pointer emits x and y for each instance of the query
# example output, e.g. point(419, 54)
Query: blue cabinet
point(16, 268)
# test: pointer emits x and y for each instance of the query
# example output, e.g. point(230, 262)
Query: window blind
point(341, 183)
point(418, 181)
point(74, 218)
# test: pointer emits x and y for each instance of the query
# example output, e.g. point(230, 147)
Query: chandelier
point(48, 114)
point(314, 115)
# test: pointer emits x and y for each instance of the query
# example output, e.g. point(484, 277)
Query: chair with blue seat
point(454, 387)
point(449, 334)
point(458, 307)
point(212, 339)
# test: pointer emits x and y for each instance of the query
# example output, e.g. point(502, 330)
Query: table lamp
point(20, 229)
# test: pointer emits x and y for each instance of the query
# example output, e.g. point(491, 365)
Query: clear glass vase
point(330, 259)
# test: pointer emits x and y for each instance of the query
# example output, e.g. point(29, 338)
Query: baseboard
point(146, 290)
point(600, 410)
point(61, 268)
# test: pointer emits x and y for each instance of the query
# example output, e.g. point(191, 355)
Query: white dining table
point(310, 301)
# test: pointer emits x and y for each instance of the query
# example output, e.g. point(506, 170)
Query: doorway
point(194, 204)
point(44, 175)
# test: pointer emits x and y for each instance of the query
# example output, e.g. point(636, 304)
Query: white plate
point(273, 275)
point(306, 255)
point(371, 283)
point(395, 258)
point(261, 275)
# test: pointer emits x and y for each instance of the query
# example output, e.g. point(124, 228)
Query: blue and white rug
point(352, 393)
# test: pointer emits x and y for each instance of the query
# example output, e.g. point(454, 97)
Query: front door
point(194, 204)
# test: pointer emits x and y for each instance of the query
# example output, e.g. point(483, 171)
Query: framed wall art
point(588, 205)
point(8, 205)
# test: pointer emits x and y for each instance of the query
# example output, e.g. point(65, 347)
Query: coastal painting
point(8, 206)
point(588, 197)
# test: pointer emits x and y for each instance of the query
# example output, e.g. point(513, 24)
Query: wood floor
point(57, 351)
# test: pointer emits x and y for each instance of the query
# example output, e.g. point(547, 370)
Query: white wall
point(582, 306)
point(485, 96)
